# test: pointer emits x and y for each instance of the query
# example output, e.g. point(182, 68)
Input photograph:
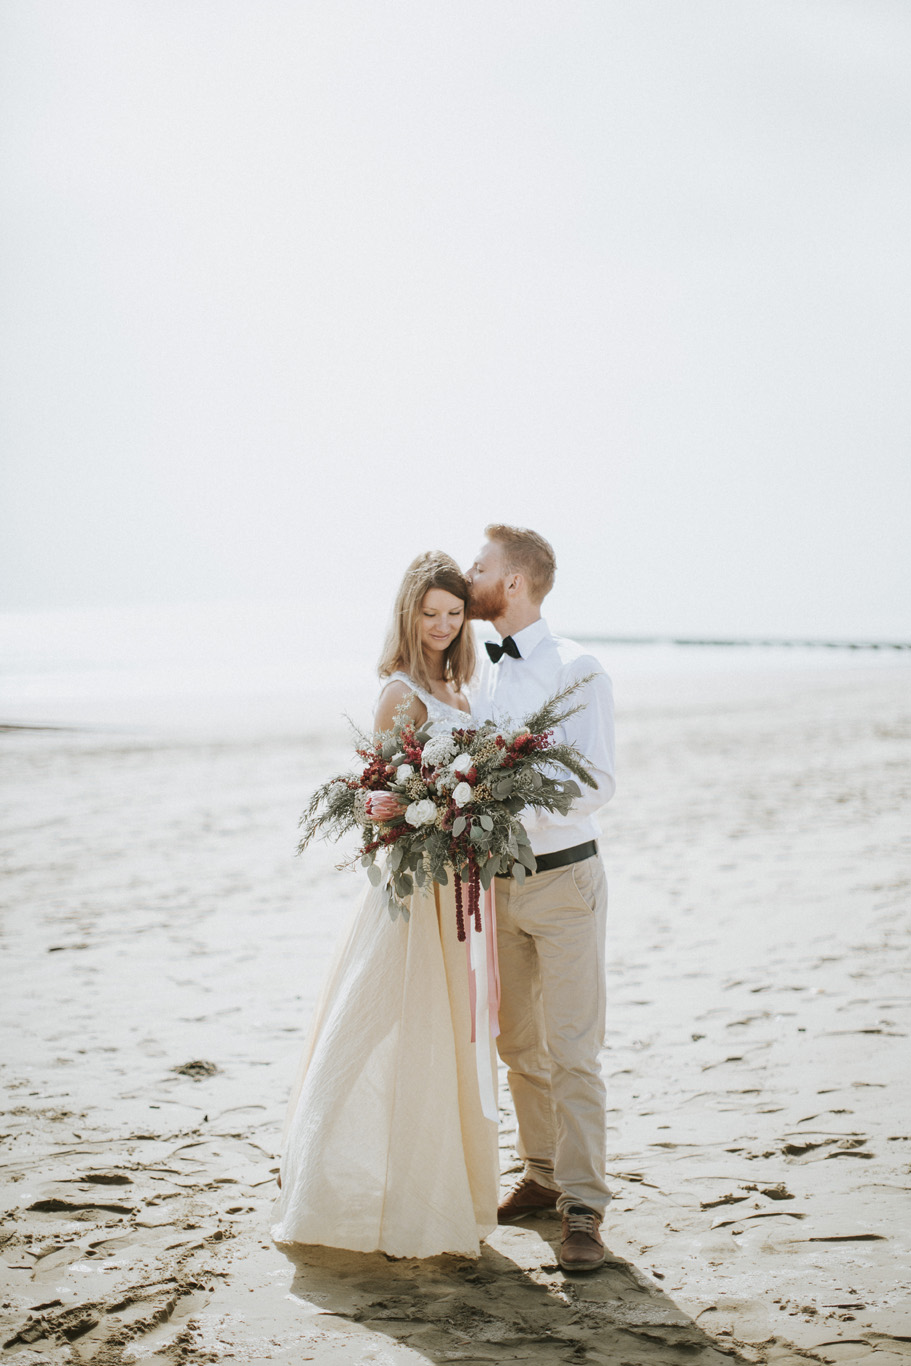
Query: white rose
point(403, 773)
point(439, 749)
point(461, 795)
point(463, 764)
point(421, 813)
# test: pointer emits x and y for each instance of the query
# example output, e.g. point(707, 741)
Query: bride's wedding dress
point(386, 1146)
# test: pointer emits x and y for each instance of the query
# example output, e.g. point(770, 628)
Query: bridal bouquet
point(458, 799)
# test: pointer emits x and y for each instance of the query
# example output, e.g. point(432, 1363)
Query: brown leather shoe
point(526, 1198)
point(581, 1248)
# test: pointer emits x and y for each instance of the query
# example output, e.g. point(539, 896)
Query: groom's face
point(487, 583)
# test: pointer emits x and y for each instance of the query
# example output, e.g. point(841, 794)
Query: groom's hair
point(525, 552)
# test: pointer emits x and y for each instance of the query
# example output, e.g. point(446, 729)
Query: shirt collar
point(531, 636)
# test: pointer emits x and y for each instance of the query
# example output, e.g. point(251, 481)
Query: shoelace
point(581, 1223)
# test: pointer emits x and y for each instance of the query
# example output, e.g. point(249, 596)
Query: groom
point(551, 929)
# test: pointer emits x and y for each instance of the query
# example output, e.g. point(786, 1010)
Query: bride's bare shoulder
point(391, 698)
point(396, 690)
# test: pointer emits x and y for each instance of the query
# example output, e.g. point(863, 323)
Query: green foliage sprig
point(459, 795)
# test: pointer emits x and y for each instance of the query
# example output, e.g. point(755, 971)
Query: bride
point(387, 1147)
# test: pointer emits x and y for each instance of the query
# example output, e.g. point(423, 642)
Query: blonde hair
point(403, 651)
point(525, 552)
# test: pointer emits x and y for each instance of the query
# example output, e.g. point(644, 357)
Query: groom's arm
point(591, 730)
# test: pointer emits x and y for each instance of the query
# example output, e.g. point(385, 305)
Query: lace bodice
point(441, 717)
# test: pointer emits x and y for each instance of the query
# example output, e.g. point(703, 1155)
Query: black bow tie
point(509, 647)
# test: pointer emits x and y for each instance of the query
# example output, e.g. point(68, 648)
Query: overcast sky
point(295, 290)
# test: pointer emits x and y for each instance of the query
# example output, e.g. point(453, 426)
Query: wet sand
point(162, 949)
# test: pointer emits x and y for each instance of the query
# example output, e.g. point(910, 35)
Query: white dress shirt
point(508, 691)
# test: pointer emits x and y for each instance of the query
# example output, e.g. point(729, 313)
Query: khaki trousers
point(551, 943)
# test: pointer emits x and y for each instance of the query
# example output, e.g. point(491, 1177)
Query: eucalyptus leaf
point(375, 875)
point(458, 825)
point(486, 821)
point(396, 908)
point(518, 873)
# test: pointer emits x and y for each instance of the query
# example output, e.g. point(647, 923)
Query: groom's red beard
point(486, 604)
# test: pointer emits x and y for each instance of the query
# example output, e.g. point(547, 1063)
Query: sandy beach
point(162, 949)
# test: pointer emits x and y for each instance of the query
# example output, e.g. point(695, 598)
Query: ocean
point(273, 667)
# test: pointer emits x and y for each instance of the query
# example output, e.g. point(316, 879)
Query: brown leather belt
point(562, 857)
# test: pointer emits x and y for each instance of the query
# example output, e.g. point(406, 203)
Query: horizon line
point(785, 642)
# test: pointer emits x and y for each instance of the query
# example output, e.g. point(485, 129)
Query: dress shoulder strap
point(427, 698)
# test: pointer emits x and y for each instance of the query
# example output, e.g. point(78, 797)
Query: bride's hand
point(384, 806)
